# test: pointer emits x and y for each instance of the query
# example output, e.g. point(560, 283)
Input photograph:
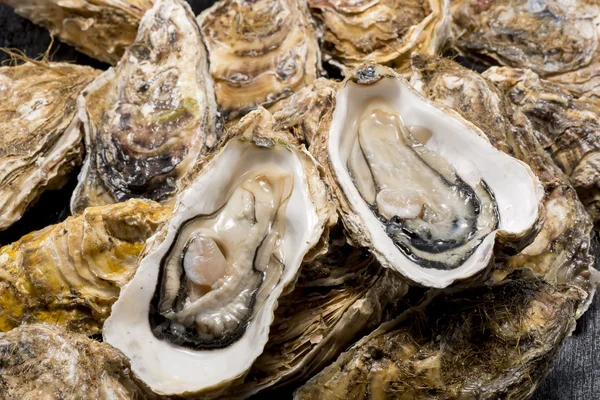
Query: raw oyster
point(559, 40)
point(99, 28)
point(382, 31)
point(40, 134)
point(259, 51)
point(567, 127)
point(147, 120)
point(43, 361)
point(72, 272)
point(255, 210)
point(381, 138)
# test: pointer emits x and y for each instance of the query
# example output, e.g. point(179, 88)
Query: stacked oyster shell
point(449, 187)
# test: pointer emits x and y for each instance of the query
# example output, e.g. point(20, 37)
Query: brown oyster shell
point(259, 51)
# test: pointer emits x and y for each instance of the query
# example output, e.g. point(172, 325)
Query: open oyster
point(40, 134)
point(197, 313)
point(259, 51)
point(47, 362)
point(418, 185)
point(99, 28)
point(147, 120)
point(383, 31)
point(567, 127)
point(72, 272)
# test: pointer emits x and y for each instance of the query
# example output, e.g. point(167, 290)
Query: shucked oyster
point(72, 272)
point(566, 126)
point(383, 31)
point(419, 186)
point(40, 135)
point(47, 362)
point(197, 313)
point(99, 28)
point(147, 120)
point(259, 51)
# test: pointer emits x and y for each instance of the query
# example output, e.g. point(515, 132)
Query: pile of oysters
point(314, 197)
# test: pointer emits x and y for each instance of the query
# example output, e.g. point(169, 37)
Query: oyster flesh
point(196, 315)
point(383, 31)
point(99, 28)
point(567, 127)
point(418, 185)
point(40, 134)
point(72, 272)
point(259, 51)
point(43, 361)
point(147, 120)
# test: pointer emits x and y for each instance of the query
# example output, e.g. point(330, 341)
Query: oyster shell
point(147, 120)
point(259, 51)
point(99, 28)
point(567, 127)
point(253, 213)
point(382, 138)
point(382, 31)
point(72, 272)
point(40, 134)
point(559, 40)
point(43, 361)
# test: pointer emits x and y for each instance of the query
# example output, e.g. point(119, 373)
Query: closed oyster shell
point(566, 126)
point(383, 31)
point(148, 120)
point(259, 51)
point(42, 361)
point(40, 134)
point(102, 29)
point(71, 273)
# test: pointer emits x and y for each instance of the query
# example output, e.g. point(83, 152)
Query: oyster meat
point(259, 51)
point(418, 185)
point(566, 126)
point(383, 31)
point(197, 313)
point(42, 361)
point(71, 273)
point(99, 28)
point(147, 120)
point(40, 134)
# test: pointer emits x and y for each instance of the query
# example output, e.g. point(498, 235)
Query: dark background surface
point(577, 372)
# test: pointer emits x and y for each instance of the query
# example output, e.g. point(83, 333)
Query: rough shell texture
point(383, 31)
point(40, 134)
point(566, 126)
point(259, 51)
point(71, 273)
point(147, 120)
point(559, 40)
point(43, 361)
point(99, 28)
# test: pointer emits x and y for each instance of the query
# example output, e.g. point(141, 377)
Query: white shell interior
point(516, 189)
point(169, 369)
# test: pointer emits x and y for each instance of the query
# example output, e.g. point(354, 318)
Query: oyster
point(382, 31)
point(147, 120)
point(99, 28)
point(72, 272)
point(559, 40)
point(43, 361)
point(253, 213)
point(567, 127)
point(418, 185)
point(259, 51)
point(40, 136)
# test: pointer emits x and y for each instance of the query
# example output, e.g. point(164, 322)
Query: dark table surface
point(577, 371)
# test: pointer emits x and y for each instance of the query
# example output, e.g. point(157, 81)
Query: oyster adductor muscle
point(149, 119)
point(197, 313)
point(417, 184)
